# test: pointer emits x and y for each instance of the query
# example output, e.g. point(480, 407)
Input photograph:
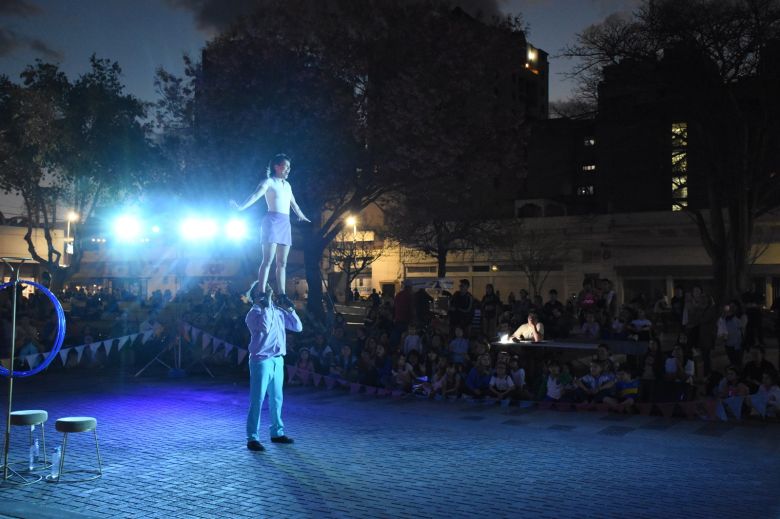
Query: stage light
point(127, 228)
point(198, 228)
point(156, 229)
point(235, 229)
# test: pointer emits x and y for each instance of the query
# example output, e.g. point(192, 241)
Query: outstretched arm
point(254, 197)
point(294, 206)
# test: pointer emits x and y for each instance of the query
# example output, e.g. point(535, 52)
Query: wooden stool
point(76, 424)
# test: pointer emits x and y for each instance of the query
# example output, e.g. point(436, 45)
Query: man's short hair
point(465, 282)
point(553, 291)
point(254, 291)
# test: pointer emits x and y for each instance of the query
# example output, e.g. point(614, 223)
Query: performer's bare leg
point(281, 267)
point(269, 251)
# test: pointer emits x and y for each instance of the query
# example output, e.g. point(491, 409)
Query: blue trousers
point(265, 376)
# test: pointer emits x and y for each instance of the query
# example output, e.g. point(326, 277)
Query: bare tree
point(537, 253)
point(353, 252)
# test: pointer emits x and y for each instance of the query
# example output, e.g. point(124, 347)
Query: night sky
point(145, 34)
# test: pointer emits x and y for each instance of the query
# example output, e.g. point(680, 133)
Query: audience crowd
point(405, 346)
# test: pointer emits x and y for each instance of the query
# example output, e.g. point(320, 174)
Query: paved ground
point(175, 448)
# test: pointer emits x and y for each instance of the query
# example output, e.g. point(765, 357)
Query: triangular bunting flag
point(241, 355)
point(317, 379)
point(228, 348)
point(291, 370)
point(216, 345)
point(32, 360)
point(303, 375)
point(355, 387)
point(147, 336)
point(64, 355)
point(206, 340)
point(122, 342)
point(133, 337)
point(370, 390)
point(645, 408)
point(107, 346)
point(79, 352)
point(93, 346)
point(329, 382)
point(188, 329)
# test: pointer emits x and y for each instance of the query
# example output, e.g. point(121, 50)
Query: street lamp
point(352, 222)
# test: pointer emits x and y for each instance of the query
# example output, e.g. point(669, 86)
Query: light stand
point(6, 469)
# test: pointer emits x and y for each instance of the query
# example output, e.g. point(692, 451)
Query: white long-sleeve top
point(267, 327)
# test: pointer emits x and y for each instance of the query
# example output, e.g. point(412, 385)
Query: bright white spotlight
point(198, 228)
point(235, 229)
point(127, 228)
point(156, 229)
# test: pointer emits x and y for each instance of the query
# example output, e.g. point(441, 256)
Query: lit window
point(585, 191)
point(589, 142)
point(533, 55)
point(589, 167)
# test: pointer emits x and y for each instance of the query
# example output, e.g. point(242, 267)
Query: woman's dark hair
point(275, 161)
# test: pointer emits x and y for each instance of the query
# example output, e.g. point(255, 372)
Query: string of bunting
point(190, 332)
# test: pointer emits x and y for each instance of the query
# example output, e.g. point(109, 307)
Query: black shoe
point(254, 445)
point(282, 439)
point(285, 302)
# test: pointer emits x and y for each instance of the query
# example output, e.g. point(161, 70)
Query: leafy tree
point(716, 66)
point(537, 252)
point(335, 86)
point(77, 145)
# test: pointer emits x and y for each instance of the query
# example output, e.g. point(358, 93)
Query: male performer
point(275, 235)
point(267, 347)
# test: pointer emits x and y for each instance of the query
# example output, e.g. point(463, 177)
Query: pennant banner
point(93, 346)
point(122, 342)
point(147, 336)
point(107, 344)
point(241, 355)
point(64, 355)
point(80, 352)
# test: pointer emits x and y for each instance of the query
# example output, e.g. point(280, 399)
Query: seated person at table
point(596, 385)
point(533, 330)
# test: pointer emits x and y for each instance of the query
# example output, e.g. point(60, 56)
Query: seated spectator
point(618, 328)
point(731, 330)
point(532, 330)
point(459, 347)
point(678, 377)
point(432, 363)
point(648, 380)
point(754, 369)
point(626, 392)
point(451, 385)
point(322, 354)
point(554, 383)
point(730, 385)
point(402, 375)
point(367, 373)
point(418, 368)
point(591, 328)
point(412, 342)
point(383, 365)
point(478, 348)
point(518, 377)
point(603, 357)
point(594, 386)
point(343, 365)
point(766, 400)
point(304, 363)
point(501, 384)
point(436, 381)
point(641, 327)
point(478, 379)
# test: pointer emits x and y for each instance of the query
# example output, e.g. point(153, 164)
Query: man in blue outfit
point(267, 325)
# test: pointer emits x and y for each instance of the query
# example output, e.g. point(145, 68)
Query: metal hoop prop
point(60, 331)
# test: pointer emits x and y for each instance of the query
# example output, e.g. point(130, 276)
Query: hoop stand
point(6, 469)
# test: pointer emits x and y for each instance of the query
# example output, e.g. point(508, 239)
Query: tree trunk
point(312, 255)
point(441, 269)
point(59, 276)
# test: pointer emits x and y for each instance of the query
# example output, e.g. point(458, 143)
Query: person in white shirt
point(275, 232)
point(533, 330)
point(267, 347)
point(501, 383)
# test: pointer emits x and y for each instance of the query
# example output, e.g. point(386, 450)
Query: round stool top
point(29, 417)
point(75, 424)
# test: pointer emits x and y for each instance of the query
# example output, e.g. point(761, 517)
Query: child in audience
point(451, 383)
point(518, 377)
point(478, 380)
point(459, 347)
point(766, 401)
point(412, 342)
point(627, 391)
point(501, 384)
point(402, 374)
point(596, 385)
point(554, 386)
